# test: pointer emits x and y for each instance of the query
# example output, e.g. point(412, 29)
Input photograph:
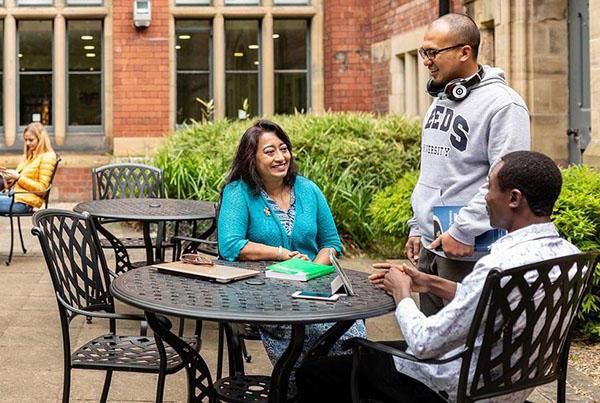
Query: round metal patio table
point(147, 211)
point(269, 303)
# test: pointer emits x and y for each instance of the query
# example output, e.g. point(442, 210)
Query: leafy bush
point(577, 217)
point(350, 156)
point(389, 214)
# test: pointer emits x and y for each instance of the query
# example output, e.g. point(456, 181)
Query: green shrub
point(577, 217)
point(389, 214)
point(349, 155)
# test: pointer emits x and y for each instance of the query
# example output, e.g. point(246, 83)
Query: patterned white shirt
point(443, 334)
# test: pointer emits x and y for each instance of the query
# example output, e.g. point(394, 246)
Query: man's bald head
point(461, 28)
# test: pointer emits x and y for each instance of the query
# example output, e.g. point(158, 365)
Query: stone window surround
point(408, 76)
point(59, 13)
point(266, 12)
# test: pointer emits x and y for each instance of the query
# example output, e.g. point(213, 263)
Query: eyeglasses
point(432, 53)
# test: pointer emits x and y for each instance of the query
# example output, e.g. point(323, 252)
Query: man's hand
point(397, 283)
point(452, 247)
point(413, 248)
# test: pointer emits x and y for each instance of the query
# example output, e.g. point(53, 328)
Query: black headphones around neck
point(457, 89)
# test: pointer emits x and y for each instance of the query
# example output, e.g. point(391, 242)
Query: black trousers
point(327, 379)
point(454, 270)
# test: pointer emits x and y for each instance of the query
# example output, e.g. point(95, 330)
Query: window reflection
point(85, 72)
point(193, 50)
point(35, 71)
point(242, 61)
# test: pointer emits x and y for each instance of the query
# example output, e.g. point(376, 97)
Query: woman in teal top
point(269, 212)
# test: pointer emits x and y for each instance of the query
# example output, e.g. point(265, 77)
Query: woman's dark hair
point(535, 175)
point(244, 163)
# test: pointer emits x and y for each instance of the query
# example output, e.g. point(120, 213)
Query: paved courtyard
point(31, 343)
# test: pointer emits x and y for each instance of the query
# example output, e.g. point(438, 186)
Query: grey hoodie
point(461, 142)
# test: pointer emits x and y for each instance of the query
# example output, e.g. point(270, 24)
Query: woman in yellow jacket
point(32, 174)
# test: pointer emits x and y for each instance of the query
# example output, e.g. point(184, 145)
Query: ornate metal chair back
point(523, 324)
point(123, 181)
point(75, 262)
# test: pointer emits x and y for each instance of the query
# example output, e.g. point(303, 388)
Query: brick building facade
point(327, 54)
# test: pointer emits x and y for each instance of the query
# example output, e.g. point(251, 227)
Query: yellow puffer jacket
point(35, 177)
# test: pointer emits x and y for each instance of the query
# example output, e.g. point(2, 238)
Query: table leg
point(200, 384)
point(148, 243)
point(281, 372)
point(234, 351)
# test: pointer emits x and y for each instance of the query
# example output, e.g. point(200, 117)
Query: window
point(84, 48)
point(242, 59)
point(290, 40)
point(289, 2)
point(34, 2)
point(35, 71)
point(242, 2)
point(192, 2)
point(84, 2)
point(193, 49)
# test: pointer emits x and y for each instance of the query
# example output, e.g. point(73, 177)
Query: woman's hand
point(296, 254)
point(10, 175)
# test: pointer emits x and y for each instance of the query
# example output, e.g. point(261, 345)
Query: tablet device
point(345, 281)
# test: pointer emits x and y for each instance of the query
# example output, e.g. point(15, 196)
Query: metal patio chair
point(81, 281)
point(12, 215)
point(126, 181)
point(547, 295)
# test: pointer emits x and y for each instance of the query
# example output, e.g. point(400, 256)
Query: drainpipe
point(444, 7)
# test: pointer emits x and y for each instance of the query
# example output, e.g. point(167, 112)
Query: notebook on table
point(216, 272)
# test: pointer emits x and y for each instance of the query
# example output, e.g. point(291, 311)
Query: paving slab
point(31, 342)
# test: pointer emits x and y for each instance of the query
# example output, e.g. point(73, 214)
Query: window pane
point(85, 45)
point(242, 45)
point(290, 93)
point(190, 87)
point(84, 2)
point(193, 45)
point(240, 86)
point(289, 40)
point(35, 45)
point(242, 2)
point(286, 2)
point(34, 2)
point(35, 98)
point(192, 2)
point(85, 100)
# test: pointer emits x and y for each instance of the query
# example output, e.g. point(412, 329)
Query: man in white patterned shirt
point(524, 186)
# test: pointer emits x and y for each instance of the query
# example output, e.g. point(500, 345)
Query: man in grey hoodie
point(475, 118)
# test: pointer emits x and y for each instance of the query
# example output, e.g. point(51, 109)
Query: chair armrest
point(99, 314)
point(357, 342)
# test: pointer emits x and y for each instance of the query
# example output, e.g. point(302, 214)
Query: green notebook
point(297, 269)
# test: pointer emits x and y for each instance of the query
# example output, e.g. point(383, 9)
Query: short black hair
point(244, 162)
point(464, 29)
point(535, 175)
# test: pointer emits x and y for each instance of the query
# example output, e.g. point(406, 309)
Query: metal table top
point(148, 209)
point(238, 301)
